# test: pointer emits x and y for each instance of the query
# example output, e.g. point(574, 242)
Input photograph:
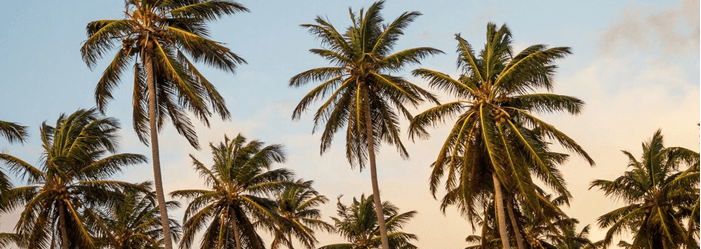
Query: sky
point(635, 64)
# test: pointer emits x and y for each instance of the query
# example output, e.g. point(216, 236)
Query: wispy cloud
point(645, 27)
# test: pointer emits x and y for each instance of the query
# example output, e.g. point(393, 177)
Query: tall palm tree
point(240, 180)
point(658, 197)
point(496, 133)
point(133, 224)
point(358, 224)
point(71, 179)
point(13, 132)
point(362, 92)
point(156, 36)
point(298, 215)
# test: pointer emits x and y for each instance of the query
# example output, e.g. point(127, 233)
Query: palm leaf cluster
point(558, 232)
point(162, 40)
point(71, 181)
point(134, 223)
point(659, 197)
point(296, 208)
point(357, 223)
point(360, 81)
point(239, 201)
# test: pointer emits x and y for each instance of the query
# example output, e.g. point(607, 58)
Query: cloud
point(672, 30)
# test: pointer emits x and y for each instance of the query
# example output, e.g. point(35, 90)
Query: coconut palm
point(357, 223)
point(658, 197)
point(298, 215)
point(13, 132)
point(155, 38)
point(240, 180)
point(362, 92)
point(133, 224)
point(72, 178)
point(497, 134)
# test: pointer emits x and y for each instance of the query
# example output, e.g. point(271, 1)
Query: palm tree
point(358, 224)
point(156, 36)
point(658, 197)
point(13, 132)
point(71, 180)
point(133, 224)
point(239, 179)
point(298, 215)
point(496, 133)
point(363, 93)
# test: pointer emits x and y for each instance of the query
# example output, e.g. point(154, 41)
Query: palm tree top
point(658, 196)
point(362, 61)
point(358, 224)
point(156, 36)
point(240, 180)
point(72, 181)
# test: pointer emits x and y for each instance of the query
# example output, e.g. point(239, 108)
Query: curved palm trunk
point(373, 170)
point(499, 198)
point(514, 225)
point(62, 222)
point(155, 153)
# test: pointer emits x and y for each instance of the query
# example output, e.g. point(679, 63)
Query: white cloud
point(645, 27)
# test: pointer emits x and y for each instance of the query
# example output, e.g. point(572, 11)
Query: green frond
point(13, 132)
point(432, 117)
point(207, 10)
point(101, 37)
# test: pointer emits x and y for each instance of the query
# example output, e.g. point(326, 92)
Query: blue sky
point(635, 64)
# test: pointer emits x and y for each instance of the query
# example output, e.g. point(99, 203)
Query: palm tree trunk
point(237, 237)
point(499, 198)
point(514, 225)
point(373, 169)
point(289, 237)
point(62, 223)
point(151, 78)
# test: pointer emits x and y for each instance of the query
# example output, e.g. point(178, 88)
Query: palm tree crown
point(358, 224)
point(239, 179)
point(658, 197)
point(362, 61)
point(133, 224)
point(298, 215)
point(496, 133)
point(159, 35)
point(71, 181)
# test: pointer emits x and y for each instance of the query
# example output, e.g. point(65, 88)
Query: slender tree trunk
point(373, 169)
point(514, 225)
point(151, 78)
point(289, 237)
point(62, 222)
point(483, 239)
point(237, 237)
point(499, 198)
